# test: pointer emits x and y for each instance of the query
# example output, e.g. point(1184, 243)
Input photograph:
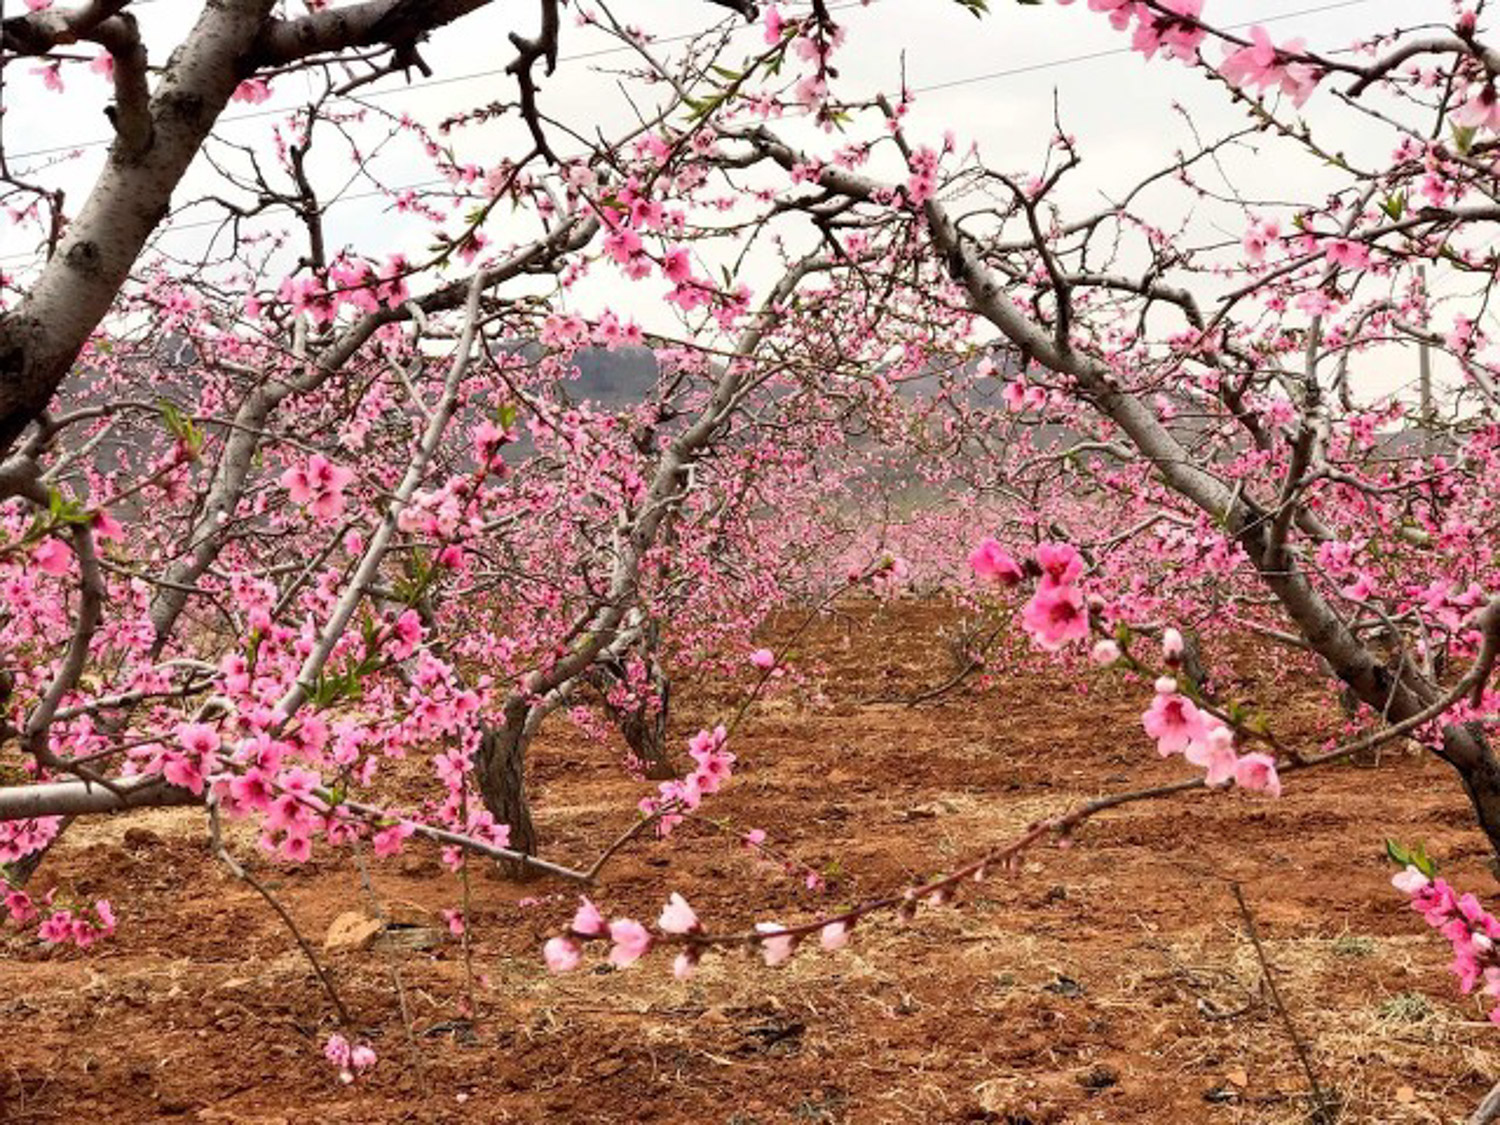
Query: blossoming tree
point(283, 526)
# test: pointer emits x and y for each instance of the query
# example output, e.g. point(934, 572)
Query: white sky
point(990, 81)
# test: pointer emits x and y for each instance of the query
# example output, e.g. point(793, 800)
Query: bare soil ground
point(1109, 982)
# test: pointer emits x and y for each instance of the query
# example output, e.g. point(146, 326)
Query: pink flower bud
point(678, 917)
point(834, 936)
point(562, 955)
point(587, 922)
point(1171, 647)
point(1105, 652)
point(775, 950)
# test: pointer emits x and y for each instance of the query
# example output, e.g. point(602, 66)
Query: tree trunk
point(1467, 750)
point(502, 782)
point(644, 724)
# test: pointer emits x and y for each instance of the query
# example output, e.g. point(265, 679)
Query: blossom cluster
point(713, 769)
point(352, 1060)
point(1058, 612)
point(1180, 727)
point(1469, 928)
point(58, 925)
point(629, 940)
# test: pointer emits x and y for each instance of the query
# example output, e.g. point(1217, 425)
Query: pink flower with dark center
point(1060, 562)
point(1173, 721)
point(1056, 615)
point(990, 561)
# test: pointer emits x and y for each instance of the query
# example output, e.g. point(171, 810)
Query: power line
point(1032, 68)
point(933, 87)
point(425, 84)
point(583, 56)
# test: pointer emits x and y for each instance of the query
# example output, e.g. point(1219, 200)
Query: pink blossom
point(1105, 652)
point(198, 739)
point(320, 484)
point(388, 841)
point(1171, 645)
point(775, 950)
point(775, 26)
point(252, 90)
point(1258, 772)
point(678, 917)
point(1060, 562)
point(763, 658)
point(52, 556)
point(587, 922)
point(1056, 615)
point(1173, 721)
point(685, 964)
point(676, 265)
point(1482, 111)
point(989, 560)
point(1215, 752)
point(336, 1050)
point(631, 940)
point(1409, 880)
point(19, 907)
point(562, 955)
point(835, 935)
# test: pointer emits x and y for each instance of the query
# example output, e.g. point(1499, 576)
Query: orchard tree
point(283, 527)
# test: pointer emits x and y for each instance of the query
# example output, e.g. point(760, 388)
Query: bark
point(644, 724)
point(1466, 749)
point(42, 336)
point(502, 780)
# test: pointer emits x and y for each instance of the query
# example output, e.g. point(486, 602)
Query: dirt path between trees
point(1108, 982)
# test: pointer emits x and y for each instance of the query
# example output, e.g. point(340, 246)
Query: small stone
point(351, 931)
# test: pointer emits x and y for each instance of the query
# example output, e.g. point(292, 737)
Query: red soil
point(1109, 982)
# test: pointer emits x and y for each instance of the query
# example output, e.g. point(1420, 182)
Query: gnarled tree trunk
point(502, 780)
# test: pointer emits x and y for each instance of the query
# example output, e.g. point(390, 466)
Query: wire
point(967, 80)
point(1091, 56)
point(425, 84)
point(582, 56)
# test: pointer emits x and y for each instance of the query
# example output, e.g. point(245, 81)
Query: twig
point(1323, 1106)
point(395, 969)
point(240, 873)
point(1489, 1109)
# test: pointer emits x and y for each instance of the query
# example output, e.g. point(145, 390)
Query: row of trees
point(244, 569)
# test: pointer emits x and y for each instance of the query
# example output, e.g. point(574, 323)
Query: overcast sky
point(990, 81)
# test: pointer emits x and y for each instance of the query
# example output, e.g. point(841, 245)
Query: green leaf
point(1394, 205)
point(1415, 856)
point(1463, 137)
